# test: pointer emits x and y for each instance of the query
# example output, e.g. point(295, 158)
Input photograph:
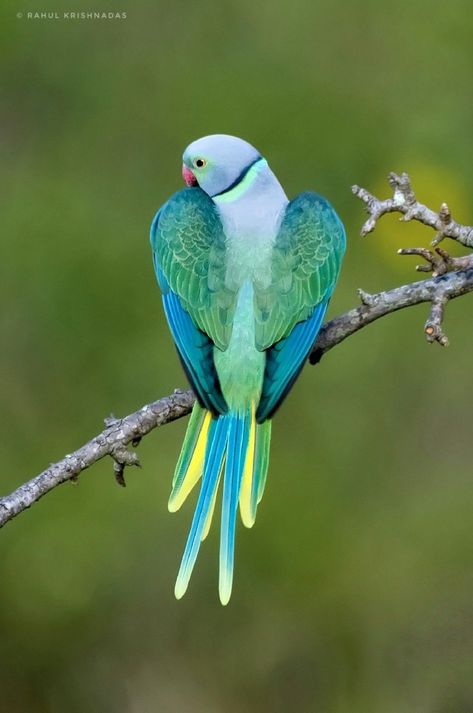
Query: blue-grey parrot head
point(217, 163)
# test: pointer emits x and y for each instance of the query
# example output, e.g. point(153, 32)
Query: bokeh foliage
point(354, 590)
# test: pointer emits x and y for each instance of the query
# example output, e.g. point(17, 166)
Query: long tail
point(233, 443)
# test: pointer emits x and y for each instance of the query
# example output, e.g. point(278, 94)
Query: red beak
point(188, 176)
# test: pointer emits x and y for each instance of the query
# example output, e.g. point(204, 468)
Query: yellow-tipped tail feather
point(256, 469)
point(247, 512)
point(231, 447)
point(184, 481)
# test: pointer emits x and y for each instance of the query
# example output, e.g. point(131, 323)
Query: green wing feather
point(190, 247)
point(306, 261)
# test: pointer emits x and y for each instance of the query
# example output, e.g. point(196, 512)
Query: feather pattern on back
point(246, 279)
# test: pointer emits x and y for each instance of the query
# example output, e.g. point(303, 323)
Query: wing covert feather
point(306, 260)
point(190, 248)
point(305, 264)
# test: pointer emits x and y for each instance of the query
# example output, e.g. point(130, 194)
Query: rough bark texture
point(404, 201)
point(452, 277)
point(111, 442)
point(437, 291)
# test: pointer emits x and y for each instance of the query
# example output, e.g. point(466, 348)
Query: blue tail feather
point(228, 439)
point(213, 461)
point(238, 435)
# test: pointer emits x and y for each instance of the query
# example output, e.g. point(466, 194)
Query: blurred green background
point(353, 592)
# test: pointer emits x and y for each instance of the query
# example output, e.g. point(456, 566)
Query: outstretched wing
point(189, 253)
point(306, 262)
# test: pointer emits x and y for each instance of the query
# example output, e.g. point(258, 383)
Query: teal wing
point(189, 255)
point(306, 261)
point(190, 250)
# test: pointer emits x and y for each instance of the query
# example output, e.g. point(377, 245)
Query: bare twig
point(433, 327)
point(405, 202)
point(439, 261)
point(436, 290)
point(111, 442)
point(452, 277)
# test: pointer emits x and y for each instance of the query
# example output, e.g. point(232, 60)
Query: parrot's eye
point(199, 162)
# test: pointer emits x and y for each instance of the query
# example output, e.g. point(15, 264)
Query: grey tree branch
point(438, 291)
point(404, 201)
point(452, 277)
point(111, 442)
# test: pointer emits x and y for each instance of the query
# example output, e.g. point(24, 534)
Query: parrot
point(246, 276)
